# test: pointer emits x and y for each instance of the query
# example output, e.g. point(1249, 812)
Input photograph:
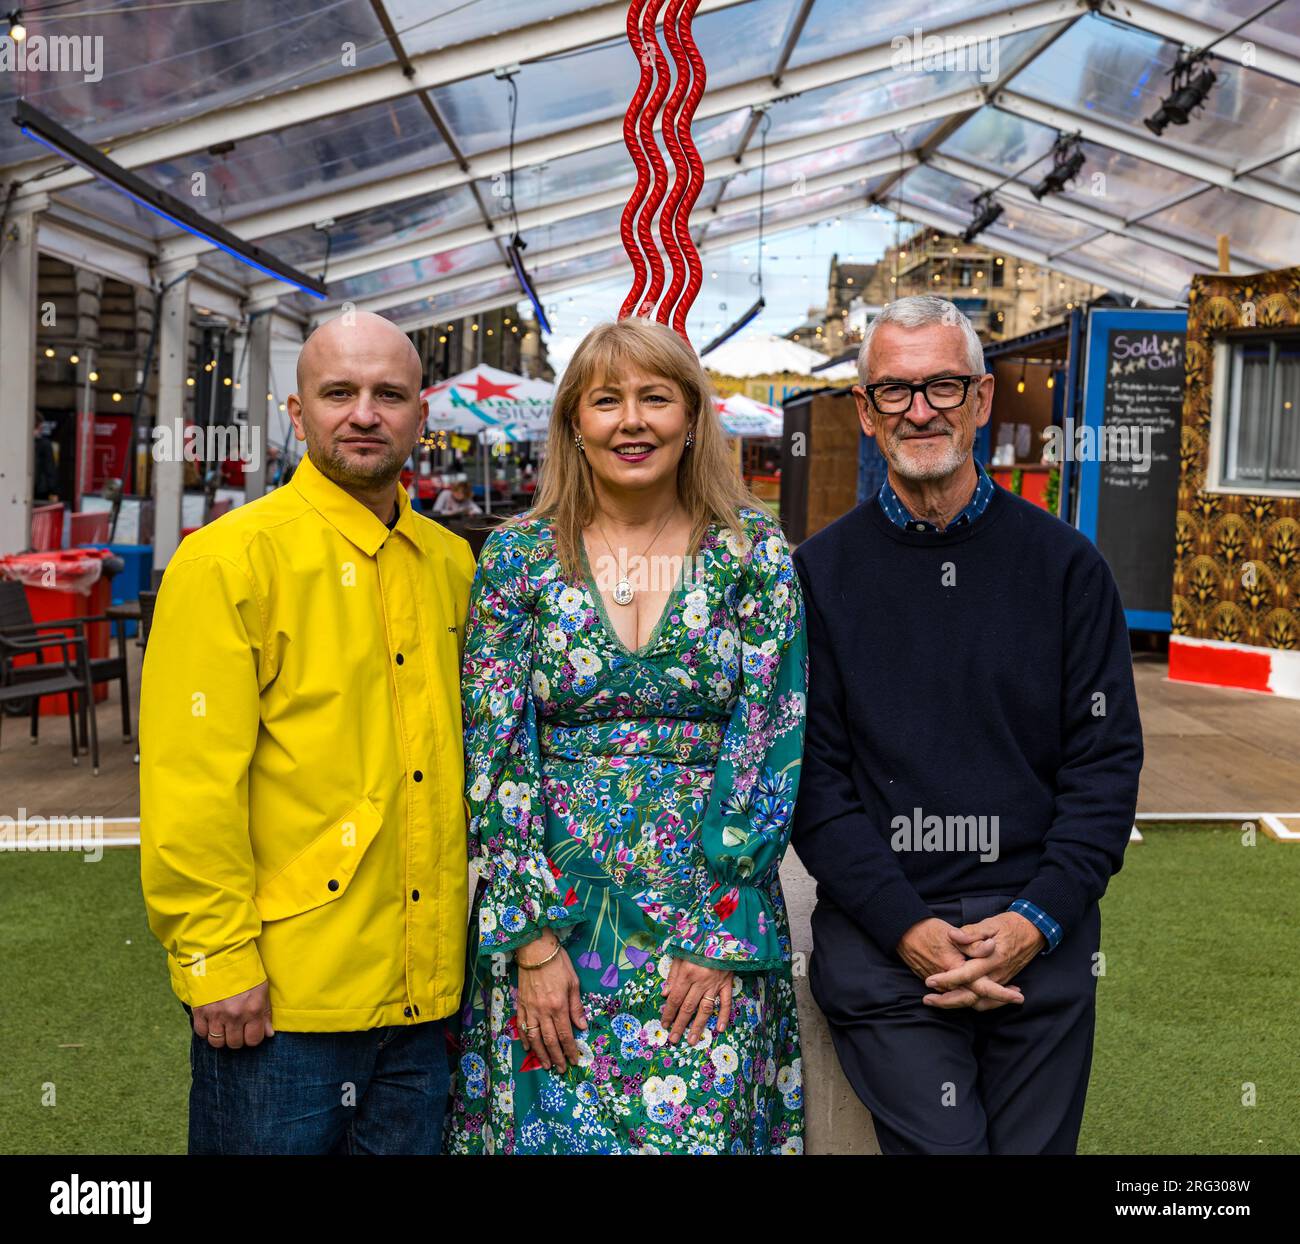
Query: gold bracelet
point(532, 967)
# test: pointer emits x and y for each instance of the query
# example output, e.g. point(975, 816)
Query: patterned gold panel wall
point(1215, 596)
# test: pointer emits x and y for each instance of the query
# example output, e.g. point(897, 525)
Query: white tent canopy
point(763, 354)
point(401, 157)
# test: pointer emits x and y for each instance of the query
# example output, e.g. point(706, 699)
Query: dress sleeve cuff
point(520, 902)
point(732, 926)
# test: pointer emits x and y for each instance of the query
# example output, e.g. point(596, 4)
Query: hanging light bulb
point(17, 31)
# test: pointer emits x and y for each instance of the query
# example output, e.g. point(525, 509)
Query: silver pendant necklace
point(623, 592)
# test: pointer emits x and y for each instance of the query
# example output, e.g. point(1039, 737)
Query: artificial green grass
point(85, 1006)
point(1199, 998)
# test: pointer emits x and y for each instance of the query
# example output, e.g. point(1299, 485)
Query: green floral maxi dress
point(638, 804)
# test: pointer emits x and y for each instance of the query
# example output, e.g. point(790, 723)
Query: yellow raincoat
point(301, 769)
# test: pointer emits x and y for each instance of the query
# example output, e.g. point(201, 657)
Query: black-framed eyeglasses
point(895, 397)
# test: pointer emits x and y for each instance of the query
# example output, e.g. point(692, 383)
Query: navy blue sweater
point(978, 673)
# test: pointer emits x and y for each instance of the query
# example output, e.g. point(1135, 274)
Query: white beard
point(934, 469)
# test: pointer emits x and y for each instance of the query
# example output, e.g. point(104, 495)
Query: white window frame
point(1219, 419)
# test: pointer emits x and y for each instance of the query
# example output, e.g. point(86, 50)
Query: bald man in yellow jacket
point(303, 839)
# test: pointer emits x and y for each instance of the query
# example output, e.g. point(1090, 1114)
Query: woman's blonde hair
point(708, 484)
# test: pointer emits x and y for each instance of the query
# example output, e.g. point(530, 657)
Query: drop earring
point(577, 440)
point(690, 438)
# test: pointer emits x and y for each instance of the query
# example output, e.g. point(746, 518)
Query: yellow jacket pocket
point(321, 871)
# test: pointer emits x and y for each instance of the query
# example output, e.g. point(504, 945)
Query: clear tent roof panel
point(243, 49)
point(233, 270)
point(107, 202)
point(581, 265)
point(1143, 266)
point(1040, 228)
point(1003, 143)
point(848, 157)
point(158, 70)
point(838, 26)
point(395, 278)
point(603, 168)
point(1120, 74)
point(386, 226)
point(878, 94)
point(572, 229)
point(595, 84)
point(1284, 172)
point(494, 290)
point(851, 198)
point(479, 255)
point(333, 153)
point(1264, 236)
point(425, 25)
point(1279, 29)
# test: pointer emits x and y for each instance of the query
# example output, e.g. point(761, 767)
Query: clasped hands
point(971, 965)
point(548, 1004)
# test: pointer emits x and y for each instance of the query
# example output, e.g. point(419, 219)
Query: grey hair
point(917, 311)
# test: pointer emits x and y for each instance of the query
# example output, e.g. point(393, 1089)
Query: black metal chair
point(16, 620)
point(473, 528)
point(69, 677)
point(147, 601)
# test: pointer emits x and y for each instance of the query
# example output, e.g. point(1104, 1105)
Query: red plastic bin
point(56, 586)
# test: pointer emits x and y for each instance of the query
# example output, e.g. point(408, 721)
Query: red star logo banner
point(484, 388)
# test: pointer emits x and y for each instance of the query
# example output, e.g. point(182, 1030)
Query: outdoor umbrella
point(493, 405)
point(742, 416)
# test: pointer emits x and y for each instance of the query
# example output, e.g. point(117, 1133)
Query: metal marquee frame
point(856, 124)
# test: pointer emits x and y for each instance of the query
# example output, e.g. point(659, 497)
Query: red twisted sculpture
point(652, 187)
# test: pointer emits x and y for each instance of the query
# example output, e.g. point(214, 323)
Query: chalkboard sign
point(1128, 452)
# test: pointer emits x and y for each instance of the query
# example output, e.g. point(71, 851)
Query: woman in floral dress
point(633, 742)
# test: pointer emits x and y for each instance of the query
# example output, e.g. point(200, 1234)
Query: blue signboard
point(1126, 451)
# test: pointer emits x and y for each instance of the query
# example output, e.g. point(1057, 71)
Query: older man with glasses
point(970, 771)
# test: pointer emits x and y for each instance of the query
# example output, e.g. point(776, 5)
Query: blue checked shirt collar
point(901, 516)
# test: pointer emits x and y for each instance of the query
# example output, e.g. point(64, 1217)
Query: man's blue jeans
point(381, 1091)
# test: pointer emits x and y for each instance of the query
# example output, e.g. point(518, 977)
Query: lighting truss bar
point(49, 133)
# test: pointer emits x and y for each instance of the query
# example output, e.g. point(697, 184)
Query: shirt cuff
point(1040, 920)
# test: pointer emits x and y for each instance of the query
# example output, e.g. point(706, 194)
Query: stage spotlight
point(1067, 160)
point(1188, 90)
point(985, 214)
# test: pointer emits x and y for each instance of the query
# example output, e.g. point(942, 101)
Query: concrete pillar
point(18, 263)
point(837, 1122)
point(259, 381)
point(173, 360)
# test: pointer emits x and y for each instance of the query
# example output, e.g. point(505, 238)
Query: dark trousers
point(1009, 1080)
point(381, 1091)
